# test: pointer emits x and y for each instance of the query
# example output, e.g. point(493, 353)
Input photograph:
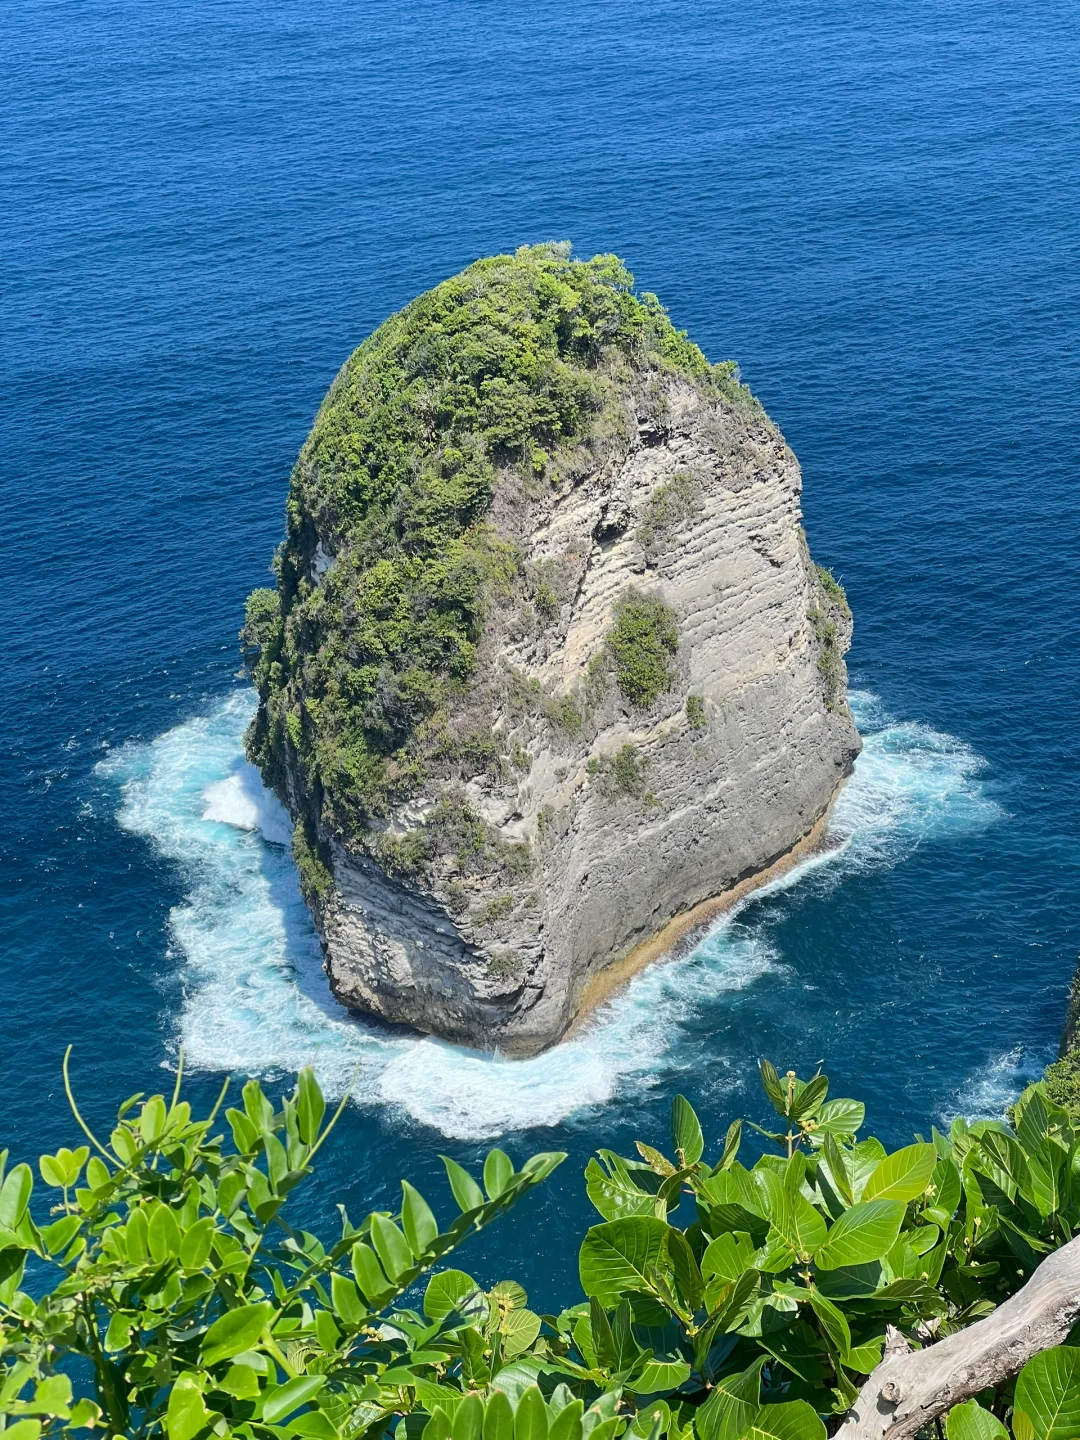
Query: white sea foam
point(256, 1001)
point(987, 1093)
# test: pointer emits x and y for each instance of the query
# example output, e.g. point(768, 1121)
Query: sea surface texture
point(875, 209)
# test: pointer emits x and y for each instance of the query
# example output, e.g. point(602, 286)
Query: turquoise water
point(875, 213)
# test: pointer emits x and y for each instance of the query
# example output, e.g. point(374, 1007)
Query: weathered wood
point(910, 1388)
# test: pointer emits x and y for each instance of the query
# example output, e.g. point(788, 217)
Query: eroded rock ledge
point(649, 703)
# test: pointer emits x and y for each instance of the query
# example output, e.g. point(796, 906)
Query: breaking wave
point(255, 1000)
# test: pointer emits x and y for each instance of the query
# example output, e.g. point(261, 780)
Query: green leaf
point(837, 1170)
point(866, 1232)
point(465, 1190)
point(774, 1090)
point(235, 1331)
point(657, 1376)
point(15, 1196)
point(520, 1329)
point(286, 1398)
point(832, 1322)
point(689, 1286)
point(614, 1257)
point(498, 1172)
point(438, 1427)
point(449, 1292)
point(369, 1276)
point(792, 1420)
point(971, 1422)
point(686, 1131)
point(728, 1256)
point(346, 1301)
point(531, 1422)
point(61, 1170)
point(732, 1405)
point(391, 1247)
point(732, 1140)
point(904, 1175)
point(187, 1413)
point(241, 1381)
point(840, 1117)
point(310, 1106)
point(1047, 1400)
point(468, 1422)
point(417, 1220)
point(810, 1097)
point(616, 1195)
point(567, 1423)
point(152, 1119)
point(790, 1214)
point(195, 1244)
point(498, 1416)
point(163, 1234)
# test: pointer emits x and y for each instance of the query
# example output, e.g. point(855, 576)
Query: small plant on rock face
point(695, 712)
point(640, 646)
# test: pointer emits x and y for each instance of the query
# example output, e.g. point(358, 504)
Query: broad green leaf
point(346, 1301)
point(810, 1097)
point(15, 1195)
point(567, 1423)
point(61, 1170)
point(282, 1401)
point(448, 1292)
point(369, 1275)
point(498, 1172)
point(774, 1090)
point(790, 1214)
point(438, 1427)
point(839, 1117)
point(686, 1134)
point(657, 1376)
point(498, 1417)
point(791, 1420)
point(835, 1170)
point(904, 1175)
point(616, 1195)
point(684, 1268)
point(732, 1405)
point(310, 1106)
point(866, 1232)
point(163, 1234)
point(152, 1119)
point(236, 1330)
point(520, 1329)
point(728, 1256)
point(195, 1244)
point(864, 1159)
point(971, 1422)
point(614, 1257)
point(1047, 1398)
point(468, 1422)
point(530, 1420)
point(391, 1247)
point(417, 1220)
point(187, 1413)
point(241, 1381)
point(465, 1190)
point(832, 1321)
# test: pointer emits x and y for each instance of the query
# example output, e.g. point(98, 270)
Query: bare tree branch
point(910, 1388)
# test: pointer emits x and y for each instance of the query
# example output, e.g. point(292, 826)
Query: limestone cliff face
point(587, 792)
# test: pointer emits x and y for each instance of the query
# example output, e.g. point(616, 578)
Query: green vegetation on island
point(158, 1289)
point(390, 561)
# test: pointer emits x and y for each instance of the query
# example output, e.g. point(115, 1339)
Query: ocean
point(875, 210)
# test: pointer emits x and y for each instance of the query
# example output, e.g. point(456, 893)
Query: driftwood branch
point(910, 1388)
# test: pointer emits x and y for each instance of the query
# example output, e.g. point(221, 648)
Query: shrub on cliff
point(721, 1301)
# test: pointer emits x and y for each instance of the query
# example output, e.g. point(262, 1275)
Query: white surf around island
point(256, 1001)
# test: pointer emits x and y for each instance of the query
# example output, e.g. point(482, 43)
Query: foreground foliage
point(722, 1300)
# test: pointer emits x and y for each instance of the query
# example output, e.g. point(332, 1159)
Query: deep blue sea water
point(875, 209)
